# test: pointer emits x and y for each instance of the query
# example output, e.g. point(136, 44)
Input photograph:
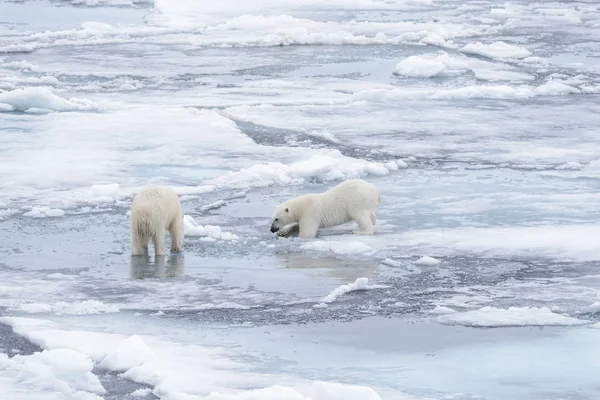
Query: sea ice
point(44, 212)
point(430, 65)
point(41, 98)
point(512, 316)
point(191, 228)
point(359, 284)
point(426, 260)
point(496, 50)
point(339, 247)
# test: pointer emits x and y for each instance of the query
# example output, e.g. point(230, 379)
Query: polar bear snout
point(274, 228)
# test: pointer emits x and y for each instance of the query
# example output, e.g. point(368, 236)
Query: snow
point(44, 212)
point(213, 206)
point(426, 260)
point(33, 98)
point(6, 213)
point(141, 393)
point(338, 247)
point(132, 352)
point(323, 135)
point(107, 191)
point(512, 316)
point(168, 366)
point(61, 308)
point(337, 391)
point(191, 228)
point(229, 305)
point(497, 50)
point(429, 66)
point(358, 285)
point(325, 168)
point(560, 242)
point(65, 372)
point(554, 88)
point(442, 310)
point(573, 165)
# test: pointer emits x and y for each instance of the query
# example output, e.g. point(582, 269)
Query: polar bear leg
point(308, 228)
point(287, 230)
point(159, 242)
point(373, 218)
point(176, 233)
point(364, 222)
point(139, 245)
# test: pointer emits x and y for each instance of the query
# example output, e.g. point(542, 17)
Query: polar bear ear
point(287, 210)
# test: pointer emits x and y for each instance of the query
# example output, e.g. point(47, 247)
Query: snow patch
point(9, 212)
point(429, 65)
point(192, 190)
point(213, 206)
point(224, 305)
point(496, 50)
point(62, 308)
point(554, 88)
point(441, 310)
point(141, 393)
point(65, 372)
point(571, 165)
point(512, 316)
point(357, 285)
point(426, 260)
point(322, 167)
point(191, 228)
point(105, 192)
point(562, 242)
point(323, 134)
point(339, 247)
point(44, 212)
point(132, 352)
point(42, 98)
point(170, 367)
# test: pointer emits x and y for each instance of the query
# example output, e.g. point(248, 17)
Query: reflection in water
point(345, 270)
point(141, 267)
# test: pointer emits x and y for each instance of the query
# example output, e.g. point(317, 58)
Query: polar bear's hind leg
point(158, 238)
point(176, 233)
point(140, 235)
point(139, 245)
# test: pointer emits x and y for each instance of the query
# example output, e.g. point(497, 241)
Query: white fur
point(154, 211)
point(352, 200)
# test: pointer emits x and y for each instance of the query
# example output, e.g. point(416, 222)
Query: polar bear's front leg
point(308, 228)
point(287, 230)
point(365, 223)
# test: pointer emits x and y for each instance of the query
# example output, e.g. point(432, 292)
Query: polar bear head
point(281, 217)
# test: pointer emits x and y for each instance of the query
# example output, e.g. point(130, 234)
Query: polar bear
point(155, 210)
point(352, 200)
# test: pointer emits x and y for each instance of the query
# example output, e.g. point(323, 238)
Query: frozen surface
point(512, 316)
point(478, 120)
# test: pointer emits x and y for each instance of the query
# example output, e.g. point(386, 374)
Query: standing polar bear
point(352, 200)
point(155, 210)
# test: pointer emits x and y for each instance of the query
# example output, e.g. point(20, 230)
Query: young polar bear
point(155, 210)
point(352, 200)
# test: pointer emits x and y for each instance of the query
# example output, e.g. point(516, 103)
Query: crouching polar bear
point(155, 210)
point(352, 200)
